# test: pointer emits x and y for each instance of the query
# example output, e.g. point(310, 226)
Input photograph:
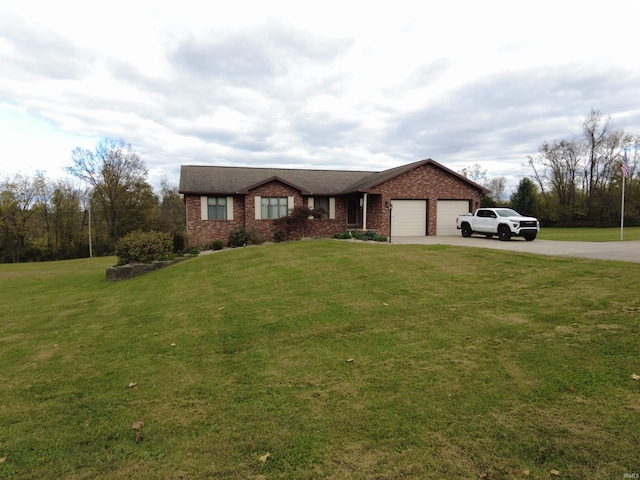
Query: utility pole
point(90, 248)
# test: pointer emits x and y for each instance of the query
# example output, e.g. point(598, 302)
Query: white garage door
point(409, 218)
point(446, 213)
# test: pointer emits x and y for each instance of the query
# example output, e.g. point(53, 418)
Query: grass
point(339, 359)
point(589, 234)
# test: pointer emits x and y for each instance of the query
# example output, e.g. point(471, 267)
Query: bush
point(280, 235)
point(179, 241)
point(143, 247)
point(368, 236)
point(241, 237)
point(217, 245)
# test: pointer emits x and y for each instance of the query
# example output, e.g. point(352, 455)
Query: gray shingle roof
point(232, 180)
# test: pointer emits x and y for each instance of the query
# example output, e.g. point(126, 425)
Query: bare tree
point(19, 197)
point(475, 173)
point(498, 187)
point(118, 178)
point(577, 178)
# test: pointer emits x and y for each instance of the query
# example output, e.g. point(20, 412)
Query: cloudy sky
point(355, 85)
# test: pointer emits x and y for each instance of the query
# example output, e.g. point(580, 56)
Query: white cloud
point(326, 85)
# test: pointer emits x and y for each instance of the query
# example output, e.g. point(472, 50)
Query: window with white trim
point(322, 203)
point(274, 207)
point(217, 208)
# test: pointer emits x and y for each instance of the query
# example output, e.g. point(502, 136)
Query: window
point(274, 207)
point(322, 203)
point(216, 208)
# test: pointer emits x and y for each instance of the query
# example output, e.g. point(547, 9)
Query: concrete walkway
point(627, 251)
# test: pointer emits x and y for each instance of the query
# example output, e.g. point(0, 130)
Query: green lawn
point(589, 234)
point(338, 359)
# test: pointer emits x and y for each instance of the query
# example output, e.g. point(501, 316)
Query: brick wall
point(202, 232)
point(425, 182)
point(265, 227)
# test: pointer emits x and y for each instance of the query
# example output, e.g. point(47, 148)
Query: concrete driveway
point(628, 251)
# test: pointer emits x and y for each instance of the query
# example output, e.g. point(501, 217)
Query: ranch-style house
point(417, 199)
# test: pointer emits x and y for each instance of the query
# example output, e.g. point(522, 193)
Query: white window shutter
point(204, 208)
point(290, 204)
point(332, 208)
point(258, 204)
point(229, 208)
point(310, 203)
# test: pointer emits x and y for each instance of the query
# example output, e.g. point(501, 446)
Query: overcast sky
point(354, 85)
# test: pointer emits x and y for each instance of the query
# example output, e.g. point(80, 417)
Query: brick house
point(421, 198)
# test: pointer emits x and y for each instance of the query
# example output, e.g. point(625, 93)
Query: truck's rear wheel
point(504, 234)
point(466, 230)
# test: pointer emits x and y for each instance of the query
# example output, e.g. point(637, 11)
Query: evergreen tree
point(525, 198)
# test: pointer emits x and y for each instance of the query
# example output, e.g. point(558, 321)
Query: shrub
point(179, 241)
point(241, 237)
point(368, 236)
point(217, 245)
point(280, 235)
point(143, 247)
point(296, 220)
point(254, 238)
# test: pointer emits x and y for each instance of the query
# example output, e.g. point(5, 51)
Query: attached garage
point(446, 215)
point(409, 218)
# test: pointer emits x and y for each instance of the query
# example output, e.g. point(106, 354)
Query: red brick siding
point(202, 232)
point(325, 227)
point(265, 228)
point(425, 182)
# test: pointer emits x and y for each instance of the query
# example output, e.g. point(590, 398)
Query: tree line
point(576, 181)
point(106, 197)
point(580, 179)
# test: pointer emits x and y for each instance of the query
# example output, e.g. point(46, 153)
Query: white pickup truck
point(504, 222)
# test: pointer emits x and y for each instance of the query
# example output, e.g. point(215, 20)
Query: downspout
point(364, 213)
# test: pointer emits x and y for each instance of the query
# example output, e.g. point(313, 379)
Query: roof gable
point(274, 179)
point(375, 179)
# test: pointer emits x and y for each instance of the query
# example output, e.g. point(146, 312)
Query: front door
point(353, 211)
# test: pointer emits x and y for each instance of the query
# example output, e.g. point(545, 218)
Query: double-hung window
point(325, 204)
point(322, 204)
point(217, 208)
point(274, 207)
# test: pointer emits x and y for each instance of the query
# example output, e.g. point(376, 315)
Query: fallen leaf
point(220, 308)
point(173, 344)
point(137, 425)
point(554, 472)
point(138, 437)
point(385, 304)
point(571, 389)
point(635, 376)
point(4, 458)
point(526, 472)
point(349, 360)
point(265, 457)
point(483, 475)
point(131, 385)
